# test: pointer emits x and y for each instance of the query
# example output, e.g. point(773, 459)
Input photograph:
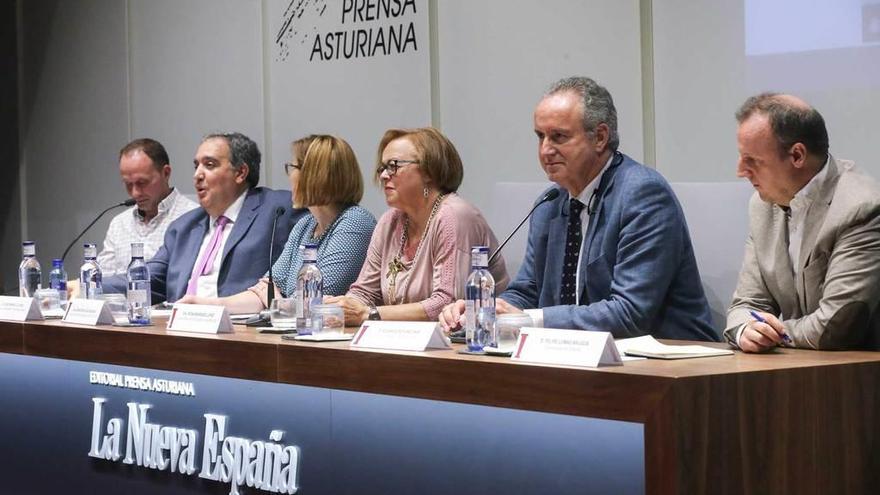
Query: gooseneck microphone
point(127, 202)
point(262, 320)
point(550, 196)
point(271, 293)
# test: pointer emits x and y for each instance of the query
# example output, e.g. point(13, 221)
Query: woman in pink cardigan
point(419, 255)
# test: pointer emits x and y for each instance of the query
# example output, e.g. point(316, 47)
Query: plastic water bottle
point(309, 288)
point(90, 280)
point(479, 302)
point(139, 294)
point(30, 276)
point(58, 278)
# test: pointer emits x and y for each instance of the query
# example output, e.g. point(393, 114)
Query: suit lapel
point(242, 224)
point(556, 252)
point(606, 184)
point(191, 250)
point(815, 215)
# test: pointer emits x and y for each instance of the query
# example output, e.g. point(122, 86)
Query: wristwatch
point(374, 314)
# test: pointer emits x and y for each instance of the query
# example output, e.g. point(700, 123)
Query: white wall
point(75, 113)
point(195, 68)
point(495, 62)
point(100, 72)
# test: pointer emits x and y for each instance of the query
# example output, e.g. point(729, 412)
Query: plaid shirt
point(129, 226)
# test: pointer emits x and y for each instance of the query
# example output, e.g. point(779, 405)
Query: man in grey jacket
point(811, 272)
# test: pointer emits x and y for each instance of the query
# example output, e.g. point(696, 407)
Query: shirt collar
point(584, 196)
point(166, 204)
point(805, 196)
point(234, 209)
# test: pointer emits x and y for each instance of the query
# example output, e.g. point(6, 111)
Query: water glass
point(118, 305)
point(49, 300)
point(332, 319)
point(507, 327)
point(282, 312)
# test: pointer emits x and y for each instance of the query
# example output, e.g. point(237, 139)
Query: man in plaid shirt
point(145, 171)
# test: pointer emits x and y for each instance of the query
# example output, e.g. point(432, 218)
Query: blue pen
point(758, 317)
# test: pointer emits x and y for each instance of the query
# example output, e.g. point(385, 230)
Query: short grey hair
point(242, 150)
point(597, 105)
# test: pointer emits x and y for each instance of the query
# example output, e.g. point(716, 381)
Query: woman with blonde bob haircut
point(419, 255)
point(325, 178)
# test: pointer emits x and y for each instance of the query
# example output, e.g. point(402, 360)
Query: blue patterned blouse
point(341, 250)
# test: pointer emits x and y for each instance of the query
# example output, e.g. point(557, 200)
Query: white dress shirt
point(207, 284)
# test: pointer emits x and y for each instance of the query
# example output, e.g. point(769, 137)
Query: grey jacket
point(831, 300)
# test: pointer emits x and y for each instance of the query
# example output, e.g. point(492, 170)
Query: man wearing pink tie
point(221, 248)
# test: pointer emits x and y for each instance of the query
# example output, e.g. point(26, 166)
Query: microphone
point(127, 202)
point(263, 320)
point(550, 196)
point(592, 203)
point(271, 294)
point(458, 335)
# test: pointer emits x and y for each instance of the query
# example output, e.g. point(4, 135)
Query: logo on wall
point(321, 31)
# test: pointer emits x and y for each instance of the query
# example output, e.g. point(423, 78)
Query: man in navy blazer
point(227, 171)
point(629, 268)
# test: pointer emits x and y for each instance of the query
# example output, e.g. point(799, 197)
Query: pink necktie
point(206, 262)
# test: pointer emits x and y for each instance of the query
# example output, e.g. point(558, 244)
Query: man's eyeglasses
point(392, 166)
point(290, 167)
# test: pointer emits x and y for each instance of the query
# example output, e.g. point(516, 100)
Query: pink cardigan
point(437, 276)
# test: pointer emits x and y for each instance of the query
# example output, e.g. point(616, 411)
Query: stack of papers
point(647, 346)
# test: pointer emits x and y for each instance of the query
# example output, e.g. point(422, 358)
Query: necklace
point(318, 238)
point(396, 266)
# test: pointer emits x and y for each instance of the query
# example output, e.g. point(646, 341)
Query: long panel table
point(790, 421)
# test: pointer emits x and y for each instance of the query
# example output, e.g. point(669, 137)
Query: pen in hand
point(758, 317)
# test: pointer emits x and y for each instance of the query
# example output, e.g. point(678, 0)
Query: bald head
point(792, 121)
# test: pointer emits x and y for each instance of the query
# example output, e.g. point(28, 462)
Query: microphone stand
point(550, 196)
point(458, 335)
point(128, 202)
point(263, 320)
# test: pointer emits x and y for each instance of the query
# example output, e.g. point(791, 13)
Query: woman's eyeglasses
point(392, 166)
point(290, 167)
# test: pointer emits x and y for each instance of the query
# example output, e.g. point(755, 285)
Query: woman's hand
point(355, 311)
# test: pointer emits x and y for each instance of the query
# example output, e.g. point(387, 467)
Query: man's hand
point(452, 316)
point(759, 337)
point(502, 306)
point(73, 291)
point(194, 299)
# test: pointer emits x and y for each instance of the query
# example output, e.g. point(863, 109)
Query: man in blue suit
point(221, 248)
point(612, 252)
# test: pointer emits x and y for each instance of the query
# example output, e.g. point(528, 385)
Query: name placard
point(88, 312)
point(400, 336)
point(199, 318)
point(566, 347)
point(19, 309)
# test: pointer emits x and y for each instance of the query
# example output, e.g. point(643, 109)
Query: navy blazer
point(245, 255)
point(638, 274)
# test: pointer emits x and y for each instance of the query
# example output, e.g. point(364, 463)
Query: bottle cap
point(28, 248)
point(137, 249)
point(90, 251)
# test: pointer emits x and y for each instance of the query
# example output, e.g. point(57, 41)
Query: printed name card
point(88, 312)
point(199, 318)
point(19, 309)
point(566, 347)
point(400, 336)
